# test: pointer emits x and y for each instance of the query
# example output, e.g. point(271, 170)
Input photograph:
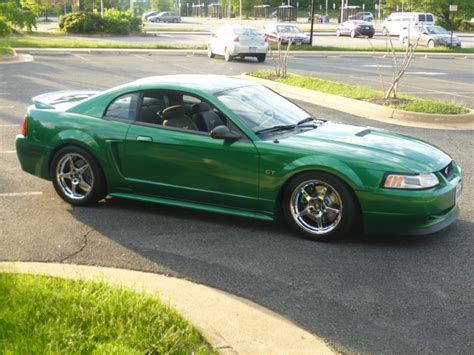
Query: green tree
point(15, 17)
point(161, 5)
point(41, 6)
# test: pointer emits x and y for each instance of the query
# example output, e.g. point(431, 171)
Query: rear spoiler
point(49, 100)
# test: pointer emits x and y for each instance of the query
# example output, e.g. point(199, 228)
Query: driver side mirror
point(223, 132)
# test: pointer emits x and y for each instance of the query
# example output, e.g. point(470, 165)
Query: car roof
point(207, 83)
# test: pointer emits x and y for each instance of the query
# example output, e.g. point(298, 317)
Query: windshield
point(436, 30)
point(260, 108)
point(288, 29)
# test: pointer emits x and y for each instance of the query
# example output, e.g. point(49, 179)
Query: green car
point(227, 145)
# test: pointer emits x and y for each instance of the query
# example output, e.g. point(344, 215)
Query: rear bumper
point(34, 158)
point(239, 49)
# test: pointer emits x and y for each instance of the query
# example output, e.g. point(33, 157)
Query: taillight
point(237, 39)
point(23, 126)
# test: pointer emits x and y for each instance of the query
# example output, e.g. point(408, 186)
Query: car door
point(190, 165)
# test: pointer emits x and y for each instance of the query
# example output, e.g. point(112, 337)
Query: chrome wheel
point(316, 207)
point(74, 176)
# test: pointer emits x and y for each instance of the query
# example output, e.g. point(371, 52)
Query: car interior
point(179, 111)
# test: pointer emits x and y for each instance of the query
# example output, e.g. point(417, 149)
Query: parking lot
point(374, 294)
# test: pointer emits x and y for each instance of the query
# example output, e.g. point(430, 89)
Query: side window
point(429, 18)
point(123, 108)
point(422, 18)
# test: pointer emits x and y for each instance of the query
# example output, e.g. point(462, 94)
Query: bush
point(114, 22)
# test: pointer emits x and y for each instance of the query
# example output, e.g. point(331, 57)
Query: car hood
point(378, 148)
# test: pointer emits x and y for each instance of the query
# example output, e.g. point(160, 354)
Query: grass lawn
point(409, 103)
point(55, 41)
point(58, 40)
point(46, 315)
point(5, 51)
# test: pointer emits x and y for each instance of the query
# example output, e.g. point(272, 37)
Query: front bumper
point(412, 212)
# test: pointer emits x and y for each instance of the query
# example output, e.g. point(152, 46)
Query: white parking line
point(8, 106)
point(4, 93)
point(424, 73)
point(377, 66)
point(81, 57)
point(9, 125)
point(19, 194)
point(142, 57)
point(7, 151)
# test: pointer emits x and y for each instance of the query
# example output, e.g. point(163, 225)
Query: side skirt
point(194, 205)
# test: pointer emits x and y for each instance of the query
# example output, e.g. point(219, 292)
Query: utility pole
point(342, 11)
point(312, 23)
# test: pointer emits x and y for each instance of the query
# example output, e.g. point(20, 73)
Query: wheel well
point(61, 146)
point(278, 209)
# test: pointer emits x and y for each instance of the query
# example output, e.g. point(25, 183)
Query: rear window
point(246, 31)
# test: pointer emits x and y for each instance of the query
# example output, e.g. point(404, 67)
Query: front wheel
point(353, 34)
point(384, 32)
point(338, 33)
point(319, 205)
point(261, 57)
point(77, 177)
point(431, 44)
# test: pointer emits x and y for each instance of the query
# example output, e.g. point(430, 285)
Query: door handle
point(144, 139)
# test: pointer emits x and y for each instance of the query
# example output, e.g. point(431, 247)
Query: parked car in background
point(148, 14)
point(240, 42)
point(430, 36)
point(285, 33)
point(397, 22)
point(165, 17)
point(364, 16)
point(355, 28)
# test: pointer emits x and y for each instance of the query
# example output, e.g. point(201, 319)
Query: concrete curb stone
point(232, 325)
point(371, 111)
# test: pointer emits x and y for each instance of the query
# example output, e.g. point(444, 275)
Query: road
point(374, 294)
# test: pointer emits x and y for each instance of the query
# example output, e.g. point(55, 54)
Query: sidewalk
point(231, 324)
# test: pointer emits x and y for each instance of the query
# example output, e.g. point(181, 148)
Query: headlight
point(410, 182)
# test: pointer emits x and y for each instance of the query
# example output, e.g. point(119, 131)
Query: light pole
point(312, 23)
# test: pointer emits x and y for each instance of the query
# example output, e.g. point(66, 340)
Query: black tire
point(353, 34)
point(261, 58)
point(94, 179)
point(227, 56)
point(339, 197)
point(209, 52)
point(371, 36)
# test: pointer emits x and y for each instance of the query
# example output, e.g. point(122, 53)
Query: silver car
point(430, 36)
point(165, 17)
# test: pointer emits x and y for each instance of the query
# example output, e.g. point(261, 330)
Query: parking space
point(365, 294)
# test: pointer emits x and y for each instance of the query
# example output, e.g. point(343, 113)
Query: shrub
point(114, 22)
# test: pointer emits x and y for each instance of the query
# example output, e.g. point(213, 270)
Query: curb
point(232, 325)
point(16, 58)
point(369, 110)
point(9, 58)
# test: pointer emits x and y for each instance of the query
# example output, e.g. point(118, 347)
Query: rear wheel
point(261, 57)
point(338, 33)
point(209, 52)
point(227, 56)
point(431, 44)
point(371, 36)
point(319, 205)
point(405, 41)
point(384, 31)
point(353, 34)
point(77, 177)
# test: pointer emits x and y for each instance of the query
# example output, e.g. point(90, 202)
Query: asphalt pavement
point(373, 294)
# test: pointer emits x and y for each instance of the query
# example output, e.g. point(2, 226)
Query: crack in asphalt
point(81, 249)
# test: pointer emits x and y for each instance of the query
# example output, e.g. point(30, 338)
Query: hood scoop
point(364, 132)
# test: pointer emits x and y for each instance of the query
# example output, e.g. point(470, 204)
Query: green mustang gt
point(227, 145)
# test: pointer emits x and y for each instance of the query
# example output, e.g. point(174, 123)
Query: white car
point(430, 36)
point(240, 42)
